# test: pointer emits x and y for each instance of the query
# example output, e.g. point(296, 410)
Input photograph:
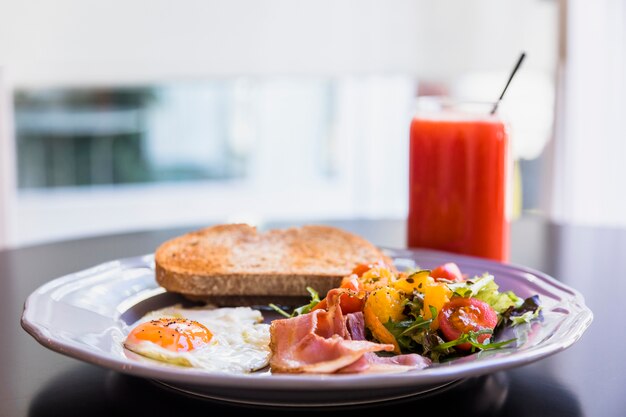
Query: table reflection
point(88, 390)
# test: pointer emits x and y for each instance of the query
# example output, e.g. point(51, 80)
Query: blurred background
point(122, 116)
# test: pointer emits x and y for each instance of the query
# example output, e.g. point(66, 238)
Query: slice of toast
point(235, 264)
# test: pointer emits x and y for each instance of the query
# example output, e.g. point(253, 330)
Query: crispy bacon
point(326, 341)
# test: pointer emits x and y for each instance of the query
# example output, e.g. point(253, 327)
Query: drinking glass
point(459, 178)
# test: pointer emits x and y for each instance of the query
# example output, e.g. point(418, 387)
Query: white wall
point(86, 41)
point(143, 40)
point(589, 153)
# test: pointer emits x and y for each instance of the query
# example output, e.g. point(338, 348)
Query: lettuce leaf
point(471, 287)
point(499, 301)
point(527, 311)
point(485, 289)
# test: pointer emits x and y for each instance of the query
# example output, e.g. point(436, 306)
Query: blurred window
point(74, 137)
point(242, 149)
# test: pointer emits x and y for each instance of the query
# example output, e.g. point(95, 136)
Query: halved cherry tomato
point(350, 302)
point(360, 269)
point(351, 282)
point(462, 314)
point(449, 271)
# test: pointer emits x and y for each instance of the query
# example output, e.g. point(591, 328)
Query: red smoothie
point(459, 185)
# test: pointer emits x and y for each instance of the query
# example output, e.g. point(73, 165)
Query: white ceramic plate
point(86, 315)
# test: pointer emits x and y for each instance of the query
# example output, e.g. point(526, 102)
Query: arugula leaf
point(417, 337)
point(315, 299)
point(279, 310)
point(471, 337)
point(430, 342)
point(414, 325)
point(433, 312)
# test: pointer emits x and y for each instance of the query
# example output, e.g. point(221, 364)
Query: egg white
point(240, 341)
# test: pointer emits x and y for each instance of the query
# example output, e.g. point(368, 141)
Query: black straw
point(519, 62)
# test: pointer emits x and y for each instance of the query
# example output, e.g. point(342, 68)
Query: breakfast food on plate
point(233, 340)
point(372, 317)
point(235, 264)
point(418, 317)
point(376, 320)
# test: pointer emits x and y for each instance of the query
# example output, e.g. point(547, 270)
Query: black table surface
point(586, 379)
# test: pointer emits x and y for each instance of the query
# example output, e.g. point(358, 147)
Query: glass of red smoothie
point(459, 179)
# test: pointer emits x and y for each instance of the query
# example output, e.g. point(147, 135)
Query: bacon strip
point(372, 363)
point(329, 342)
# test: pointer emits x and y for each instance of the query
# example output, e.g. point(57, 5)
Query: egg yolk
point(174, 334)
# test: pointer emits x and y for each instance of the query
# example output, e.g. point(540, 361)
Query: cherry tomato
point(360, 269)
point(351, 282)
point(461, 315)
point(449, 271)
point(349, 301)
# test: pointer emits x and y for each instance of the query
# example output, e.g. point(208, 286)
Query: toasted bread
point(235, 264)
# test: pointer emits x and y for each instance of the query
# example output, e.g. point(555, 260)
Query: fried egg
point(228, 339)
